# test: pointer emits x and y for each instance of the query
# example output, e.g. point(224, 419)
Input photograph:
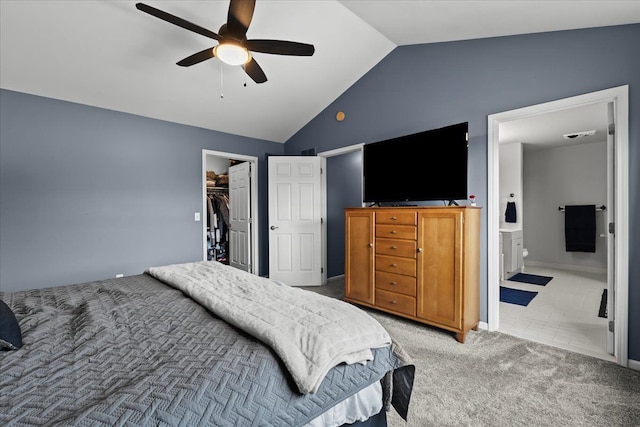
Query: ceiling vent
point(579, 134)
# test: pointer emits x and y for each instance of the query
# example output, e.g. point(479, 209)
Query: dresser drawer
point(396, 302)
point(396, 283)
point(407, 218)
point(396, 231)
point(395, 247)
point(392, 264)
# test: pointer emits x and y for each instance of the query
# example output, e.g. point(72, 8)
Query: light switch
point(196, 216)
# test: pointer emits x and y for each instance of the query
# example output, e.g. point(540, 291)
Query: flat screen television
point(424, 166)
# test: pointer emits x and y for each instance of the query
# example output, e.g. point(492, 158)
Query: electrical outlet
point(119, 275)
point(196, 216)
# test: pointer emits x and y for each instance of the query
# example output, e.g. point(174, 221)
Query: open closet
point(217, 203)
point(229, 207)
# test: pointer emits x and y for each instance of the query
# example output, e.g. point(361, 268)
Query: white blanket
point(310, 332)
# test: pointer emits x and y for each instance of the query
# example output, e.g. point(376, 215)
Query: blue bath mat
point(532, 279)
point(516, 296)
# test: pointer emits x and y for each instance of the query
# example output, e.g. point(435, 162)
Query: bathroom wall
point(553, 177)
point(511, 182)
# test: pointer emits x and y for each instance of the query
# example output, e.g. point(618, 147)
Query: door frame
point(619, 96)
point(254, 202)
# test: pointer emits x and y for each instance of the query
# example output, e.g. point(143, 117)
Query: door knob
point(273, 227)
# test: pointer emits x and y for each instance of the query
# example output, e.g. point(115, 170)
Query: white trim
point(254, 203)
point(335, 278)
point(323, 226)
point(483, 326)
point(339, 151)
point(620, 97)
point(634, 364)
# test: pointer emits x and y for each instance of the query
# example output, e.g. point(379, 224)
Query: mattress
point(134, 351)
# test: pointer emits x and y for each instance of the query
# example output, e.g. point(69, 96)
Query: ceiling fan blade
point(197, 58)
point(254, 71)
point(280, 47)
point(239, 17)
point(176, 21)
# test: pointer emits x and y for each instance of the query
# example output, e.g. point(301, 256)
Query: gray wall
point(575, 175)
point(510, 174)
point(428, 86)
point(86, 193)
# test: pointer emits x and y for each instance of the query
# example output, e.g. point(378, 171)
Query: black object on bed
point(135, 351)
point(10, 334)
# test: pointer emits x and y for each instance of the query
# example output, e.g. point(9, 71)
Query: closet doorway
point(618, 99)
point(230, 209)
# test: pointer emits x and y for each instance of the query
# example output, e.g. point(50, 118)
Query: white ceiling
point(110, 55)
point(547, 130)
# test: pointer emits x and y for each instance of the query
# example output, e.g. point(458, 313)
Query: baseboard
point(598, 270)
point(634, 364)
point(335, 278)
point(483, 325)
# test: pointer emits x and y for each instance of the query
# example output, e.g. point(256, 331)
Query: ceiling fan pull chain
point(221, 80)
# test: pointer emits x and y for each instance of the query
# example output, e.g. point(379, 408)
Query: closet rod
point(598, 208)
point(217, 189)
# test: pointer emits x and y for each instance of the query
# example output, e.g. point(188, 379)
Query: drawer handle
point(394, 265)
point(419, 250)
point(394, 247)
point(394, 232)
point(393, 283)
point(370, 245)
point(393, 218)
point(393, 301)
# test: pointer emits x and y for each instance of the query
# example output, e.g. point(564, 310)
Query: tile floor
point(564, 313)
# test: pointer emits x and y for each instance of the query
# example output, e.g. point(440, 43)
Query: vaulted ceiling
point(109, 54)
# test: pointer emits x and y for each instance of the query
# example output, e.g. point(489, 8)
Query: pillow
point(10, 334)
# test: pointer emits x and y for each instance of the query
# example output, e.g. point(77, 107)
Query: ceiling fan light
point(232, 54)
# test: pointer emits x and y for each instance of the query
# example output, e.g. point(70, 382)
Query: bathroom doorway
point(618, 98)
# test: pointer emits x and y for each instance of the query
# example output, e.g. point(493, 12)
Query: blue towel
point(510, 213)
point(580, 228)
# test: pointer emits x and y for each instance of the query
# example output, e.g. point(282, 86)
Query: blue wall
point(428, 86)
point(86, 193)
point(344, 185)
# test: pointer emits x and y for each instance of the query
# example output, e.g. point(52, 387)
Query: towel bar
point(598, 208)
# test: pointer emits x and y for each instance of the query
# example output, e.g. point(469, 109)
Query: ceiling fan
point(233, 47)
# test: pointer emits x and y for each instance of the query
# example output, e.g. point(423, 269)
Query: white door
point(240, 216)
point(295, 220)
point(610, 215)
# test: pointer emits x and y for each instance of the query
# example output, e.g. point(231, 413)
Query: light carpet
point(494, 379)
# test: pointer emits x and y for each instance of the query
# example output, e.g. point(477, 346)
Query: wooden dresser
point(421, 263)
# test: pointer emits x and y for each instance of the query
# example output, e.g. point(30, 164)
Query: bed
point(187, 345)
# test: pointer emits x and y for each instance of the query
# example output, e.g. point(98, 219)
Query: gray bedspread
point(309, 332)
point(134, 351)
